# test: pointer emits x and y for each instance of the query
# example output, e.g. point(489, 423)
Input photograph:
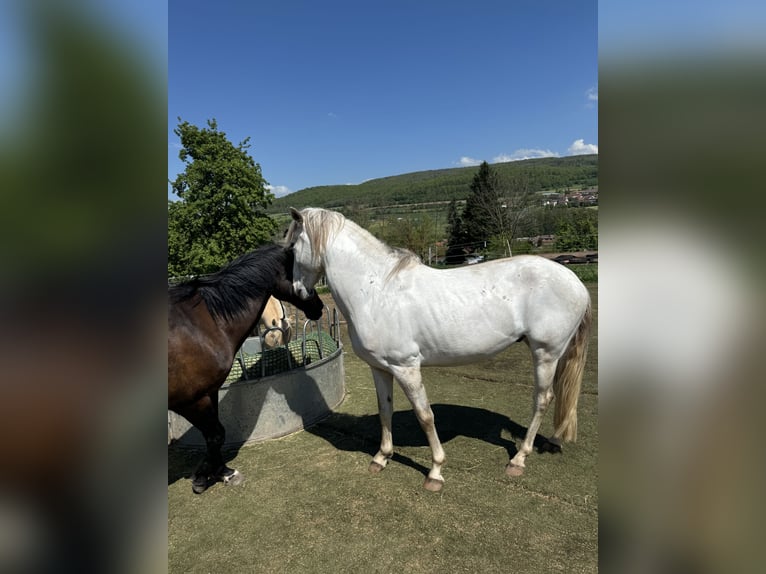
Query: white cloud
point(518, 155)
point(279, 190)
point(579, 147)
point(525, 153)
point(591, 97)
point(466, 161)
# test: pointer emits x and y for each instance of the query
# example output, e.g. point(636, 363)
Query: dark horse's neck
point(236, 295)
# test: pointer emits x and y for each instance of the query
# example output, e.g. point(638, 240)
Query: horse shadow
point(361, 433)
point(303, 396)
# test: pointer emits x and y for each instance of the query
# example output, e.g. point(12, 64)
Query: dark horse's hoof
point(200, 484)
point(548, 446)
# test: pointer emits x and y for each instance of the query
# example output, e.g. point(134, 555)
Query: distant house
point(554, 199)
point(575, 198)
point(542, 240)
point(584, 197)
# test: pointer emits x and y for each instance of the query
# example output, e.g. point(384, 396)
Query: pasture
point(309, 504)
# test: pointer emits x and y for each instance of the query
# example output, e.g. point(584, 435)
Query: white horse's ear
point(296, 215)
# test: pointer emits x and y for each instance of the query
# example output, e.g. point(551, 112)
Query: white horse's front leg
point(411, 382)
point(384, 387)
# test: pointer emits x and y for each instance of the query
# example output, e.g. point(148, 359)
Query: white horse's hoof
point(234, 479)
point(375, 467)
point(433, 484)
point(513, 470)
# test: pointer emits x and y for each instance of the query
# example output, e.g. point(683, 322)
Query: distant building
point(554, 199)
point(543, 240)
point(585, 197)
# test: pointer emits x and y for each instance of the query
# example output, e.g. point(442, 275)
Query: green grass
point(309, 504)
point(587, 272)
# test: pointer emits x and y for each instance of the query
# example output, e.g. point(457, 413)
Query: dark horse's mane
point(228, 292)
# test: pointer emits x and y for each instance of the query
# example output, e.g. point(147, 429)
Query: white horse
point(403, 315)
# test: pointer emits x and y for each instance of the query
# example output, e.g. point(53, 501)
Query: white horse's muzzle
point(300, 290)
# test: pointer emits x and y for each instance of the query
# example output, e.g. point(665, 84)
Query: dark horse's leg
point(204, 415)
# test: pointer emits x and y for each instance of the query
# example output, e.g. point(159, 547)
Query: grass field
point(309, 504)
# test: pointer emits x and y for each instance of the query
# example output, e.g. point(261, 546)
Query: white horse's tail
point(568, 378)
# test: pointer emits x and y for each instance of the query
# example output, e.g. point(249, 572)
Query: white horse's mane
point(321, 225)
point(404, 260)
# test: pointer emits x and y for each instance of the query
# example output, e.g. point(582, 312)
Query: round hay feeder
point(271, 393)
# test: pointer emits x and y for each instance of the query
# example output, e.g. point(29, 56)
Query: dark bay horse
point(208, 320)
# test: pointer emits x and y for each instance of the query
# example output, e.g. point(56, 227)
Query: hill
point(443, 185)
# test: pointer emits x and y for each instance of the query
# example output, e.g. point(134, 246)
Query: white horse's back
point(462, 315)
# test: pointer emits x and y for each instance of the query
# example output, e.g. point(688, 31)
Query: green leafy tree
point(223, 198)
point(415, 234)
point(587, 227)
point(566, 236)
point(577, 229)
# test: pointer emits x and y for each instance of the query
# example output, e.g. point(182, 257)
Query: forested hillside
point(472, 213)
point(445, 184)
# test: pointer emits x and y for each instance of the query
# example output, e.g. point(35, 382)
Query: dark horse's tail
point(568, 378)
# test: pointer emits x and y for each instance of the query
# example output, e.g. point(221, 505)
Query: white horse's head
point(307, 266)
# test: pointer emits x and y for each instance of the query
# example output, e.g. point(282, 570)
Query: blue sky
point(690, 29)
point(341, 92)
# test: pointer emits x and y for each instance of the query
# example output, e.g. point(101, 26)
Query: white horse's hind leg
point(384, 386)
point(545, 369)
point(411, 382)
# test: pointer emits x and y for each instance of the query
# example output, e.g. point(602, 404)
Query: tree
point(495, 207)
point(478, 226)
point(457, 237)
point(566, 236)
point(577, 230)
point(515, 208)
point(223, 197)
point(415, 234)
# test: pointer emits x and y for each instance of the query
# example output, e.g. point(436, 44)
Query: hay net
point(316, 341)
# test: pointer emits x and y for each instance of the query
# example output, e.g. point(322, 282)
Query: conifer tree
point(457, 240)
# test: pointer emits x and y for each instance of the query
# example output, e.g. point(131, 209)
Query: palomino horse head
point(277, 330)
